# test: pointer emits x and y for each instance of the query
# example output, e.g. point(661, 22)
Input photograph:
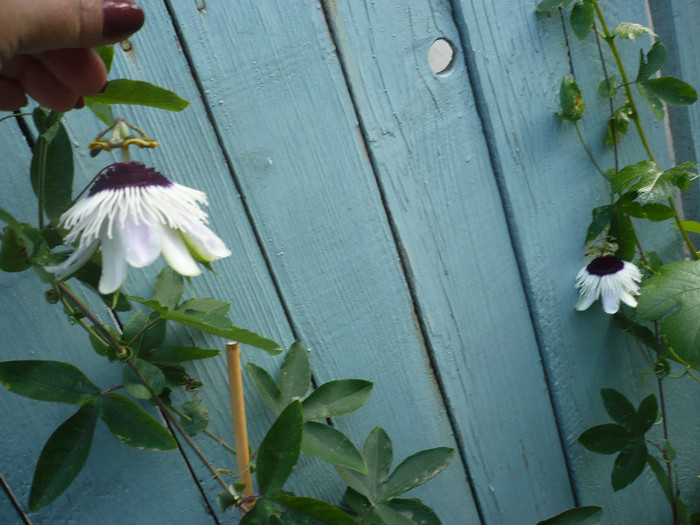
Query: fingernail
point(80, 104)
point(120, 18)
point(104, 88)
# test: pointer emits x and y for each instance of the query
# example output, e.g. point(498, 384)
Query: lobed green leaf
point(655, 59)
point(197, 418)
point(336, 398)
point(155, 380)
point(416, 470)
point(590, 515)
point(671, 90)
point(178, 354)
point(295, 373)
point(63, 457)
point(132, 425)
point(125, 91)
point(47, 381)
point(673, 298)
point(629, 464)
point(630, 31)
point(545, 6)
point(311, 511)
point(582, 17)
point(266, 386)
point(619, 408)
point(407, 509)
point(168, 288)
point(332, 446)
point(279, 451)
point(606, 439)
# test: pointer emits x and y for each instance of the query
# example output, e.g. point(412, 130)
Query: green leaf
point(132, 425)
point(47, 381)
point(52, 164)
point(279, 450)
point(106, 54)
point(197, 417)
point(102, 112)
point(303, 511)
point(655, 59)
point(630, 31)
point(545, 6)
point(651, 100)
point(212, 323)
point(673, 298)
point(629, 464)
point(671, 90)
point(155, 380)
point(407, 509)
point(571, 100)
point(622, 230)
point(295, 373)
point(582, 17)
point(646, 414)
point(63, 457)
point(416, 470)
point(332, 446)
point(13, 252)
point(7, 218)
point(336, 398)
point(652, 211)
point(266, 386)
point(691, 226)
point(618, 124)
point(638, 177)
point(178, 354)
point(168, 288)
point(601, 220)
point(661, 475)
point(619, 408)
point(578, 516)
point(125, 91)
point(606, 439)
point(636, 330)
point(607, 87)
point(378, 455)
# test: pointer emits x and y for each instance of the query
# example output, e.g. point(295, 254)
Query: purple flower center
point(606, 265)
point(123, 175)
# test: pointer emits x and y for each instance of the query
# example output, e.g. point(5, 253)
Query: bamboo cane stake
point(240, 429)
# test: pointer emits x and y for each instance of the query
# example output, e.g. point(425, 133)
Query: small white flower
point(134, 213)
point(613, 279)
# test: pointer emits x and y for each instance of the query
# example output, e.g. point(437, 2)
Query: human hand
point(45, 48)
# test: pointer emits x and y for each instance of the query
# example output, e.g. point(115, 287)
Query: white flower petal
point(611, 301)
point(585, 301)
point(140, 242)
point(113, 264)
point(76, 259)
point(203, 243)
point(176, 253)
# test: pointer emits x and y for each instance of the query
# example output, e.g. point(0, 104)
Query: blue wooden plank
point(427, 143)
point(289, 128)
point(550, 188)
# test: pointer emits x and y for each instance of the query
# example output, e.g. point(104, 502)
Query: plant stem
point(588, 151)
point(120, 351)
point(610, 39)
point(206, 431)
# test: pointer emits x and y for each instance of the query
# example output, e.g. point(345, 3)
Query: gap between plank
point(405, 264)
point(511, 223)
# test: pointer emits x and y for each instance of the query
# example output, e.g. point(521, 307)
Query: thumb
point(40, 25)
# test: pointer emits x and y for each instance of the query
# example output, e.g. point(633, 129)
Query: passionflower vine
point(612, 278)
point(133, 213)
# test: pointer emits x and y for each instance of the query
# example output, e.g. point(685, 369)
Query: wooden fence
point(420, 230)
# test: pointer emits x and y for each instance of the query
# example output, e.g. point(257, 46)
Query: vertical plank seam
point(207, 504)
point(13, 500)
point(229, 165)
point(405, 266)
point(482, 110)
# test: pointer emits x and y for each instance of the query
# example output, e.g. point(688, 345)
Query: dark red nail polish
point(104, 88)
point(80, 104)
point(120, 18)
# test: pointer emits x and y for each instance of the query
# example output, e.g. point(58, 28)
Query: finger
point(40, 84)
point(34, 26)
point(11, 95)
point(80, 69)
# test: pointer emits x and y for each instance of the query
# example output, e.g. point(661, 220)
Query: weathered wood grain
point(427, 144)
